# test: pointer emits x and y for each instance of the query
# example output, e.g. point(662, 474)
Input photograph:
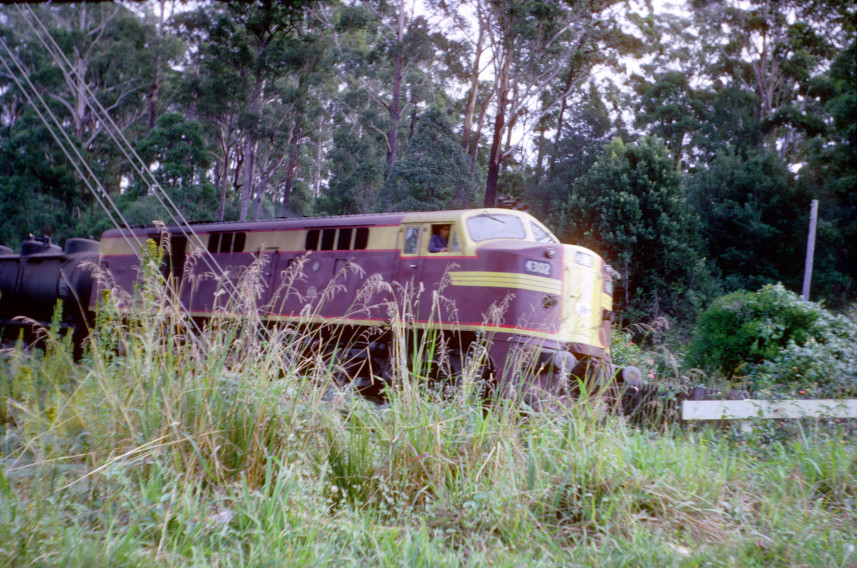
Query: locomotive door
point(270, 259)
point(413, 240)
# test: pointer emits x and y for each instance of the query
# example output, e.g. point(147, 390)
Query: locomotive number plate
point(536, 267)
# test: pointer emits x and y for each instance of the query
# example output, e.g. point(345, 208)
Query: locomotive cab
point(547, 306)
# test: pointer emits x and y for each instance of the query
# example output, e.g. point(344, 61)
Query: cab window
point(412, 240)
point(541, 235)
point(443, 238)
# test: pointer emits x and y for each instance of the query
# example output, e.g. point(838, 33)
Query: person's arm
point(436, 244)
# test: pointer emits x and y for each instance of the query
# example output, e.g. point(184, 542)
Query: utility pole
point(810, 249)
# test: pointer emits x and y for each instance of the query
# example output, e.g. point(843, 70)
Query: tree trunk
point(395, 113)
point(292, 165)
point(250, 147)
point(478, 135)
point(496, 156)
point(224, 187)
point(474, 91)
point(226, 146)
point(560, 123)
point(395, 108)
point(257, 201)
point(319, 154)
point(494, 161)
point(155, 88)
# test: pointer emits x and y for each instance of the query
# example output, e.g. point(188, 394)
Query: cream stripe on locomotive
point(506, 280)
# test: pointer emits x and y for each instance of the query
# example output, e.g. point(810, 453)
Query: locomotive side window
point(328, 237)
point(412, 239)
point(226, 242)
point(344, 240)
point(238, 242)
point(443, 238)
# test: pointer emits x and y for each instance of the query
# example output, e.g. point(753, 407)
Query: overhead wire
point(101, 195)
point(115, 133)
point(127, 150)
point(74, 156)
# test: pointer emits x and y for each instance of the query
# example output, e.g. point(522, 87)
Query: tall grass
point(165, 446)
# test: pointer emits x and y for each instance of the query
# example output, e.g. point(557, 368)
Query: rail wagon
point(503, 290)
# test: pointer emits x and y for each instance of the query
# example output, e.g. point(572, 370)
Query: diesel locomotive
point(493, 286)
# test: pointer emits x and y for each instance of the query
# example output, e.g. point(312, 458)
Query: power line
point(125, 147)
point(76, 163)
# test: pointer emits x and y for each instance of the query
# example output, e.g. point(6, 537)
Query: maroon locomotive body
point(490, 284)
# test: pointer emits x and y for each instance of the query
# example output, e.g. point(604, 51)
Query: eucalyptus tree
point(177, 145)
point(738, 90)
point(435, 171)
point(80, 59)
point(670, 108)
point(772, 49)
point(247, 57)
point(100, 51)
point(468, 21)
point(208, 91)
point(588, 127)
point(356, 155)
point(541, 53)
point(385, 51)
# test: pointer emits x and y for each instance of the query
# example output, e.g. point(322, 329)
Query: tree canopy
point(685, 147)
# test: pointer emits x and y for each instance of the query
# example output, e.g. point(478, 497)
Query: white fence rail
point(767, 409)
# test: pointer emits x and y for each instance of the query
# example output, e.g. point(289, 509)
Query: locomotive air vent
point(345, 238)
point(227, 242)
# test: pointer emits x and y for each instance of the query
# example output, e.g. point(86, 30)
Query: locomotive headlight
point(582, 309)
point(550, 253)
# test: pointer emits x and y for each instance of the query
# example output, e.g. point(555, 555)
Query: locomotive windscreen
point(484, 227)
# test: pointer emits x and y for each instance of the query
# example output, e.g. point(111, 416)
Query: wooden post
point(810, 250)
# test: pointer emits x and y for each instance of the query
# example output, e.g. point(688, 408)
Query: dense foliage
point(772, 340)
point(693, 174)
point(630, 207)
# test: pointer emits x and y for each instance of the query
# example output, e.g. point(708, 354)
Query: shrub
point(775, 341)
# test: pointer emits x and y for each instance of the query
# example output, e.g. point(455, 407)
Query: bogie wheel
point(591, 378)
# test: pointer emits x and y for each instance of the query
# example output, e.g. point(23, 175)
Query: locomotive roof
point(364, 220)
